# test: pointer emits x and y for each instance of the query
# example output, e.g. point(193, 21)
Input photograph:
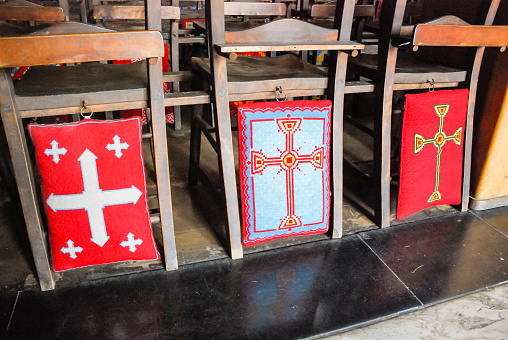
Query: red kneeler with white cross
point(94, 192)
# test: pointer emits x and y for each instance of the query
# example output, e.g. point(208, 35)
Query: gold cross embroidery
point(439, 140)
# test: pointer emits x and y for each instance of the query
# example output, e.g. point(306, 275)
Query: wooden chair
point(394, 70)
point(125, 87)
point(230, 83)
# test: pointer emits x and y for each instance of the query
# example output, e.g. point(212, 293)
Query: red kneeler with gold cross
point(432, 150)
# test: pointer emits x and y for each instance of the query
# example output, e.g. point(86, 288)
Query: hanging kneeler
point(432, 150)
point(284, 169)
point(94, 192)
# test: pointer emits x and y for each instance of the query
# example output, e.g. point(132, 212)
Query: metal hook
point(86, 108)
point(431, 84)
point(278, 90)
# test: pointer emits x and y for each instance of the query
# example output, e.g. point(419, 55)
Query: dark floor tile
point(443, 257)
point(497, 217)
point(16, 262)
point(282, 294)
point(118, 308)
point(7, 301)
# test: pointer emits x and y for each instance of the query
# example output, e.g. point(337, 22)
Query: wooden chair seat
point(258, 74)
point(83, 78)
point(409, 69)
point(53, 87)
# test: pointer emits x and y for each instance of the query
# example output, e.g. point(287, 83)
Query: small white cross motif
point(117, 146)
point(71, 250)
point(131, 243)
point(55, 151)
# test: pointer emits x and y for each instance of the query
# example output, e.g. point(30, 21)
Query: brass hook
point(431, 84)
point(278, 90)
point(85, 107)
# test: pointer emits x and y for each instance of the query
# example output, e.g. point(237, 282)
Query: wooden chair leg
point(195, 151)
point(25, 180)
point(226, 156)
point(382, 145)
point(468, 137)
point(175, 67)
point(162, 162)
point(65, 6)
point(337, 140)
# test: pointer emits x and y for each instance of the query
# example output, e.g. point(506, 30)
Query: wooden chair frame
point(443, 32)
point(73, 48)
point(222, 45)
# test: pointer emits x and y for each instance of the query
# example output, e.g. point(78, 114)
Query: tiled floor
point(311, 289)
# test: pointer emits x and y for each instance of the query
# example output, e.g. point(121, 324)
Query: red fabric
point(94, 195)
point(420, 174)
point(189, 23)
point(18, 72)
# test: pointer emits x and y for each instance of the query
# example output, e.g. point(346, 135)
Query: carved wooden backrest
point(288, 30)
point(283, 30)
point(254, 8)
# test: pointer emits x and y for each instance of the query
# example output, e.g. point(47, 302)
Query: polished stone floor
point(313, 289)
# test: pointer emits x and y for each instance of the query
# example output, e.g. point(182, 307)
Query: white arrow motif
point(55, 151)
point(93, 199)
point(131, 242)
point(117, 146)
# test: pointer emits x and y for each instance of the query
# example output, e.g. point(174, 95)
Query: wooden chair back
point(328, 11)
point(21, 11)
point(254, 8)
point(131, 12)
point(69, 48)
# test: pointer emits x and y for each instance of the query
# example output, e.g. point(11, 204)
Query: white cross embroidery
point(93, 199)
point(131, 242)
point(117, 146)
point(55, 151)
point(71, 250)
